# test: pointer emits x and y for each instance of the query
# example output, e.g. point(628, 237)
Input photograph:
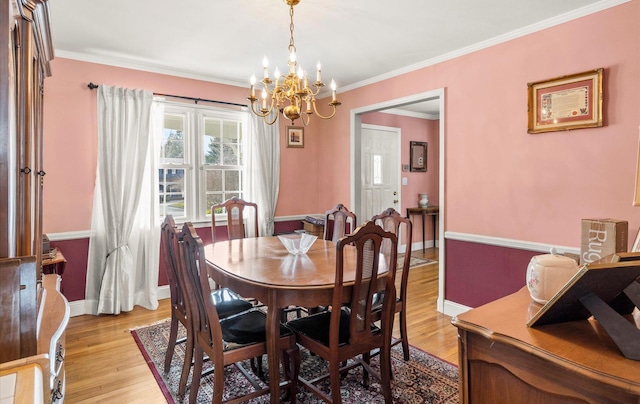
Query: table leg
point(435, 218)
point(273, 353)
point(424, 212)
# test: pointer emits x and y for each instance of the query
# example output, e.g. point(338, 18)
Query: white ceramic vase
point(423, 202)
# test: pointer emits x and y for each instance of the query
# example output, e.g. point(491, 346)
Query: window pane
point(211, 141)
point(377, 169)
point(211, 151)
point(231, 132)
point(213, 180)
point(214, 199)
point(172, 147)
point(232, 180)
point(171, 192)
point(231, 155)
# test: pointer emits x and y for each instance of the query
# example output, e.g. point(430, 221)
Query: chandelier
point(290, 94)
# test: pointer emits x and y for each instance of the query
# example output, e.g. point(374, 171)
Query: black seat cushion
point(228, 302)
point(247, 327)
point(378, 298)
point(317, 326)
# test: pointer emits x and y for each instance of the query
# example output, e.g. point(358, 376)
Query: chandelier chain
point(292, 46)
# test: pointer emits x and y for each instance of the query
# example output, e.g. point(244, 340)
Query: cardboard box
point(315, 229)
point(602, 237)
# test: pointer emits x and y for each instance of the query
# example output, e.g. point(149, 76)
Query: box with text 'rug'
point(602, 237)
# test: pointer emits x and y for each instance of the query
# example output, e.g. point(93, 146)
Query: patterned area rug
point(415, 261)
point(423, 379)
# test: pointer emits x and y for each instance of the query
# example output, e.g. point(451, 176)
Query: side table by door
point(53, 262)
point(432, 211)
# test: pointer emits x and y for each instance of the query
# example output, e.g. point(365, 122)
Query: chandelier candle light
point(290, 93)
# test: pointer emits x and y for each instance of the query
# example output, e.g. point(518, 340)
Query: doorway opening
point(436, 96)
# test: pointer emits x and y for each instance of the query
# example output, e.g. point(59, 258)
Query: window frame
point(194, 190)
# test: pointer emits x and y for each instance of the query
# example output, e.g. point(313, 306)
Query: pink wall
point(501, 181)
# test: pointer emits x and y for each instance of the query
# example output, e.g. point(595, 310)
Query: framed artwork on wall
point(418, 156)
point(567, 102)
point(295, 136)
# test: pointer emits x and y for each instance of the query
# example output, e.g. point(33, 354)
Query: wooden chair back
point(235, 210)
point(208, 331)
point(338, 222)
point(394, 222)
point(171, 246)
point(368, 241)
point(344, 333)
point(170, 254)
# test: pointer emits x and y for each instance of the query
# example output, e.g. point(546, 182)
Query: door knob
point(395, 201)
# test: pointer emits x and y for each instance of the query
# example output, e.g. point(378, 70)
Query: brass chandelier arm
point(333, 104)
point(263, 113)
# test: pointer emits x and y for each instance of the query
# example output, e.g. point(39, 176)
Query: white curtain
point(263, 169)
point(122, 268)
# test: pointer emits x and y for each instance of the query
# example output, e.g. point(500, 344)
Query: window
point(201, 160)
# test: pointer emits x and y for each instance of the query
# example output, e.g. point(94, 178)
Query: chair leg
point(385, 374)
point(218, 383)
point(403, 334)
point(173, 336)
point(186, 365)
point(197, 371)
point(366, 358)
point(334, 374)
point(291, 369)
point(256, 366)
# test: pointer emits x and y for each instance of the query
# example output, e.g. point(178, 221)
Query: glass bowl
point(297, 243)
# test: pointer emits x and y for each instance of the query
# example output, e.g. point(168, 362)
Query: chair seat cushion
point(317, 327)
point(378, 298)
point(247, 327)
point(228, 302)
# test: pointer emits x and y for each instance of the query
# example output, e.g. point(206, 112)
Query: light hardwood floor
point(103, 363)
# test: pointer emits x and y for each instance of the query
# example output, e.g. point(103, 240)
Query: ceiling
point(357, 41)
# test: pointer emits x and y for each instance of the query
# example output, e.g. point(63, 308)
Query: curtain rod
point(196, 100)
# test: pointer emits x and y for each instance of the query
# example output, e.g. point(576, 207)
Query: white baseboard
point(453, 309)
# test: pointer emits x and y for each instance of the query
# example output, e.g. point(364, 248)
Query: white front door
point(380, 170)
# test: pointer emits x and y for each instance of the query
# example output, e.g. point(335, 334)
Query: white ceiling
point(357, 41)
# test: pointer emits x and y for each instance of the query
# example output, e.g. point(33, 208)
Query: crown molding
point(552, 22)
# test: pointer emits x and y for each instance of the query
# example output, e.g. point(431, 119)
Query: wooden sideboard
point(52, 316)
point(503, 360)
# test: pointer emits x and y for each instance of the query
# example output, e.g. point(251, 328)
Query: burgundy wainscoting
point(76, 252)
point(74, 277)
point(478, 273)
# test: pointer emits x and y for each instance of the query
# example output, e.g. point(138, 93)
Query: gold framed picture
point(295, 136)
point(567, 102)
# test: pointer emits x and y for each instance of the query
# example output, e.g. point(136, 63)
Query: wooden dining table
point(263, 269)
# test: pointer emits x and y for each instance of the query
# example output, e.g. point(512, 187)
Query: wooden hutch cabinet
point(34, 313)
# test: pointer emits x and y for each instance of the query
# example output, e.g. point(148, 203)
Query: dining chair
point(338, 221)
point(230, 340)
point(341, 334)
point(227, 302)
point(235, 210)
point(394, 222)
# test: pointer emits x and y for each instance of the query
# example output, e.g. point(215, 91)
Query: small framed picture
point(418, 156)
point(295, 136)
